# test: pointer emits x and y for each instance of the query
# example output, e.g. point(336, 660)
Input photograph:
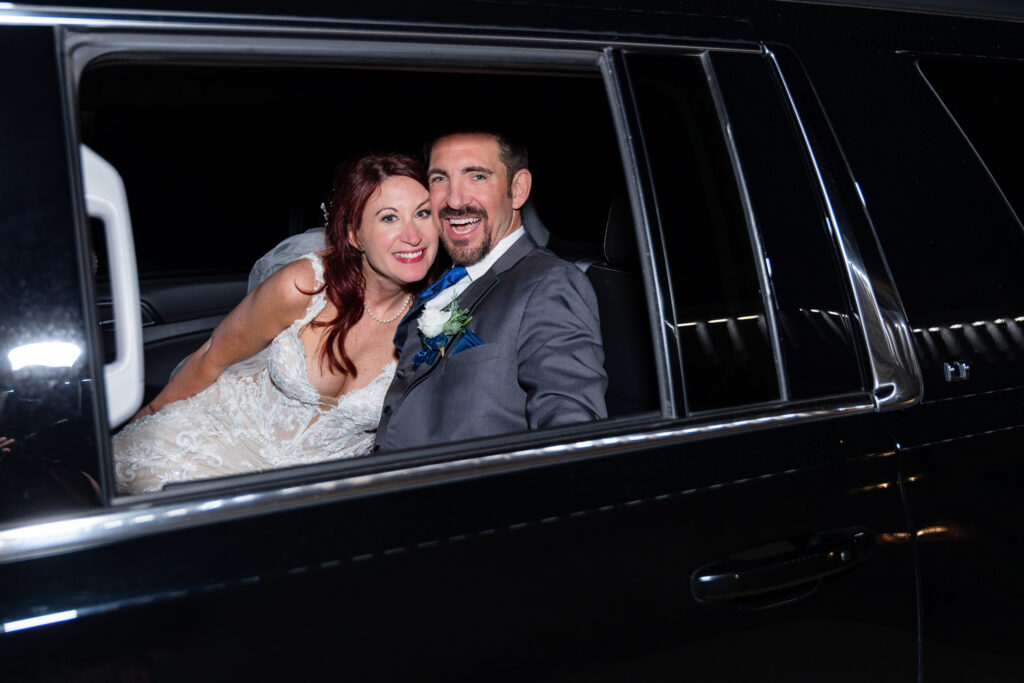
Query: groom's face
point(469, 195)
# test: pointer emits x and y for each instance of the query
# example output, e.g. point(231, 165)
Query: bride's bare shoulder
point(292, 285)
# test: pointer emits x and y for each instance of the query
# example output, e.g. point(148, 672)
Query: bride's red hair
point(355, 181)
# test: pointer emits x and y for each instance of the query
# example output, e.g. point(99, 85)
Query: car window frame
point(208, 502)
point(84, 48)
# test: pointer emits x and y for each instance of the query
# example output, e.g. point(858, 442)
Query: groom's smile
point(470, 195)
point(462, 222)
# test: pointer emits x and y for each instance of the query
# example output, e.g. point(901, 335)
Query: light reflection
point(32, 622)
point(48, 354)
point(933, 532)
point(717, 321)
point(870, 487)
point(974, 323)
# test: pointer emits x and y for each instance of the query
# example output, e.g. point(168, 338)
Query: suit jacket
point(541, 363)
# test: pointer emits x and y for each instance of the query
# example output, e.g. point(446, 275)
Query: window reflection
point(49, 354)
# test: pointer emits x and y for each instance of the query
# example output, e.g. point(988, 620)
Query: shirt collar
point(483, 265)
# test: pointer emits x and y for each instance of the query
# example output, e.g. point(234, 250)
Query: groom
point(530, 355)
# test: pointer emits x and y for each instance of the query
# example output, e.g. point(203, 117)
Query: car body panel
point(578, 552)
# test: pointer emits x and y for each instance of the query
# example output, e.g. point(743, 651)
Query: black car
point(803, 225)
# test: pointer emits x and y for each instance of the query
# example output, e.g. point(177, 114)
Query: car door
point(747, 525)
point(930, 106)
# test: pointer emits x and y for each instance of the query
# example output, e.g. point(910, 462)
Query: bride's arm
point(249, 328)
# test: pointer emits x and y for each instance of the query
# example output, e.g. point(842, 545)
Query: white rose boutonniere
point(437, 327)
point(432, 321)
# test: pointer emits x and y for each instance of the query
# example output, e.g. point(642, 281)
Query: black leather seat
point(625, 323)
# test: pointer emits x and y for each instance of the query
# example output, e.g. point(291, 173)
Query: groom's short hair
point(511, 151)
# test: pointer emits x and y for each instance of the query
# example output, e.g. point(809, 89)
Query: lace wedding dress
point(248, 422)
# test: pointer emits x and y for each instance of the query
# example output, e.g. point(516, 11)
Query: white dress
point(248, 423)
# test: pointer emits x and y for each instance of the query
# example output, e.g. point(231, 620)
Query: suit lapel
point(469, 300)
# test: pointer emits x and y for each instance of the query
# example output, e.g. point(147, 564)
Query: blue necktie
point(450, 278)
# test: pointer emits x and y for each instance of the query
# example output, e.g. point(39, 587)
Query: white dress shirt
point(476, 270)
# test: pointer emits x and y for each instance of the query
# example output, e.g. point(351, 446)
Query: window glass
point(987, 100)
point(716, 295)
point(812, 306)
point(950, 237)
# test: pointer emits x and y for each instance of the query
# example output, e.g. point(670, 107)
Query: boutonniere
point(437, 327)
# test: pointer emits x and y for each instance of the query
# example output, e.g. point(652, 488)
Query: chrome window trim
point(768, 302)
point(84, 48)
point(627, 127)
point(41, 539)
point(328, 27)
point(967, 139)
point(895, 375)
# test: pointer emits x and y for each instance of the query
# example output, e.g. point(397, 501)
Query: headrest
point(619, 246)
point(534, 226)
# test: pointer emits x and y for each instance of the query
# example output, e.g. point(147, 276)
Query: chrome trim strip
point(963, 133)
point(767, 287)
point(75, 533)
point(627, 130)
point(895, 374)
point(40, 15)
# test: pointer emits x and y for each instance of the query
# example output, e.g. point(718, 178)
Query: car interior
point(223, 161)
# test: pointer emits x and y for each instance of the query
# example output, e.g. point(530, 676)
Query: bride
point(324, 324)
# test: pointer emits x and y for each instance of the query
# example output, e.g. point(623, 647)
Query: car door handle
point(106, 200)
point(781, 565)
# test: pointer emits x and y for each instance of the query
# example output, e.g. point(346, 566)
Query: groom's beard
point(464, 252)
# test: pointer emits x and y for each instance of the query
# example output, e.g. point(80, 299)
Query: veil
point(290, 249)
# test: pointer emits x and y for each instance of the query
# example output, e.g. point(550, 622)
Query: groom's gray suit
point(541, 363)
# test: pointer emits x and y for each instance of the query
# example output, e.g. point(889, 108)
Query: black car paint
point(587, 563)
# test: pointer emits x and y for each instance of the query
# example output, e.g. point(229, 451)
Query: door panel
point(49, 387)
point(580, 568)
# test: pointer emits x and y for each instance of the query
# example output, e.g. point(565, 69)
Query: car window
point(717, 304)
point(812, 305)
point(221, 161)
point(760, 306)
point(967, 326)
point(987, 101)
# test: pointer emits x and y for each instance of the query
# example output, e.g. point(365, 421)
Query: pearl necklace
point(408, 298)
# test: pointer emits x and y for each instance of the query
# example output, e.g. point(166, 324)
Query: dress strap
point(319, 300)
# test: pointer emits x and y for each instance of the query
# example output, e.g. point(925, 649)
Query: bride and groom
point(353, 356)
